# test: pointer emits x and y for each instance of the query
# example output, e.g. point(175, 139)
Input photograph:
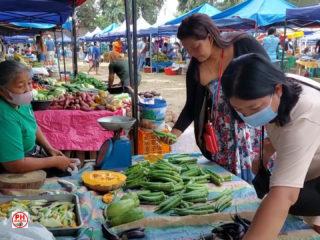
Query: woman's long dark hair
point(252, 76)
point(199, 26)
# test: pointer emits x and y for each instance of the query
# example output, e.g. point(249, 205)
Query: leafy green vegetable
point(83, 78)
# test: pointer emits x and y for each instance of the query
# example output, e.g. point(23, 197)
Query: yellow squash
point(107, 198)
point(103, 180)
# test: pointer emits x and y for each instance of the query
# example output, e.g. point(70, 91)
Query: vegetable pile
point(150, 94)
point(49, 214)
point(75, 101)
point(161, 57)
point(124, 210)
point(178, 185)
point(83, 78)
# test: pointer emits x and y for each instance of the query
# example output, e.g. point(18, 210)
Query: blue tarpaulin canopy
point(66, 39)
point(36, 11)
point(235, 23)
point(68, 24)
point(110, 28)
point(33, 25)
point(204, 8)
point(304, 16)
point(17, 39)
point(264, 12)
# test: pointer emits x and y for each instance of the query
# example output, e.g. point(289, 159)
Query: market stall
point(67, 113)
point(304, 17)
point(164, 225)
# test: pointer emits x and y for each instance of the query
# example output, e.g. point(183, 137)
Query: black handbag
point(262, 179)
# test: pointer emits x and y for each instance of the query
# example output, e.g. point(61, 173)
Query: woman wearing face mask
point(18, 127)
point(262, 95)
point(211, 52)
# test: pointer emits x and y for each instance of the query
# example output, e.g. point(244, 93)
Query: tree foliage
point(104, 12)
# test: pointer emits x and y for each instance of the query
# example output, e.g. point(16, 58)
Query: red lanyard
point(219, 87)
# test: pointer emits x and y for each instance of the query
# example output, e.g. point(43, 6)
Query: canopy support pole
point(74, 41)
point(135, 76)
point(57, 52)
point(63, 55)
point(150, 52)
point(128, 35)
point(284, 46)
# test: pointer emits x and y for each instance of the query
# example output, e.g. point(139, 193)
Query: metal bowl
point(114, 123)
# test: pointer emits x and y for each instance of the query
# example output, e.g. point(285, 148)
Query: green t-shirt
point(17, 131)
point(121, 68)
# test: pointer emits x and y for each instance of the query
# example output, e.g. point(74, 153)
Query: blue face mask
point(260, 118)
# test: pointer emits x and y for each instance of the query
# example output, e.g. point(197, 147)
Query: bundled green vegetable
point(169, 204)
point(168, 135)
point(218, 204)
point(151, 198)
point(178, 182)
point(216, 178)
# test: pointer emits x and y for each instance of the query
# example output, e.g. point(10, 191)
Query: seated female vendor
point(19, 132)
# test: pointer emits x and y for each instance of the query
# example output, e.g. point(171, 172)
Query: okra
point(159, 186)
point(170, 172)
point(185, 212)
point(152, 199)
point(190, 188)
point(227, 178)
point(192, 172)
point(163, 178)
point(172, 177)
point(172, 166)
point(196, 179)
point(199, 200)
point(169, 204)
point(205, 206)
point(190, 196)
point(185, 204)
point(182, 160)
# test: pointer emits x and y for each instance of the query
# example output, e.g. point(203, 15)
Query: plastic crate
point(147, 69)
point(148, 143)
point(169, 71)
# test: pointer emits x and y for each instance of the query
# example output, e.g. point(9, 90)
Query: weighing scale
point(115, 153)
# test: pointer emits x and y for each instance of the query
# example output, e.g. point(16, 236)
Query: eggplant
point(109, 234)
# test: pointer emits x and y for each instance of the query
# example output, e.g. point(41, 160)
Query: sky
point(167, 12)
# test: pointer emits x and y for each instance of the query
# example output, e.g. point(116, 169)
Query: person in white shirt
point(142, 51)
point(262, 95)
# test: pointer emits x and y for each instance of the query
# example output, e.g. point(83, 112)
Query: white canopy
point(141, 24)
point(95, 32)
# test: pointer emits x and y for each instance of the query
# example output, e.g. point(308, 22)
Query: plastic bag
point(34, 231)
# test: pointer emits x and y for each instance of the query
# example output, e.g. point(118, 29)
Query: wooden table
point(312, 64)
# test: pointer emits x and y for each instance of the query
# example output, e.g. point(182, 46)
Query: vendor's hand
point(169, 140)
point(54, 152)
point(63, 163)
